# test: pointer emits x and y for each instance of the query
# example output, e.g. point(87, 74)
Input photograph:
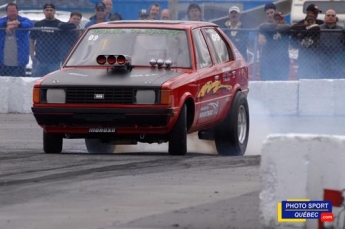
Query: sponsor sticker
point(210, 109)
point(102, 130)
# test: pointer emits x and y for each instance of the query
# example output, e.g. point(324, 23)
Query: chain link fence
point(271, 55)
point(292, 54)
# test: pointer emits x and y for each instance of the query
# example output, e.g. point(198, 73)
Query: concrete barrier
point(308, 165)
point(16, 94)
point(273, 97)
point(279, 98)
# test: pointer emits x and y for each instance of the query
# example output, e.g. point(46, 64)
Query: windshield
point(141, 45)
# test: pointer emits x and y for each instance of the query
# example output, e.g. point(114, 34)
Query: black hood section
point(101, 77)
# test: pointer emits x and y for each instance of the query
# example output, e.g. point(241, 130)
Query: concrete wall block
point(278, 174)
point(15, 95)
point(298, 166)
point(316, 97)
point(274, 98)
point(4, 94)
point(339, 92)
point(28, 85)
point(255, 99)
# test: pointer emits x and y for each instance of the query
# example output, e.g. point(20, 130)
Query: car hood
point(102, 77)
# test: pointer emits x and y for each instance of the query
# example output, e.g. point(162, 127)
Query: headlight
point(56, 96)
point(145, 97)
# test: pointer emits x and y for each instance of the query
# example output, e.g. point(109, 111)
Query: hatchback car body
point(126, 82)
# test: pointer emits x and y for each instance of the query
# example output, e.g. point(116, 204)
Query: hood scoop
point(115, 63)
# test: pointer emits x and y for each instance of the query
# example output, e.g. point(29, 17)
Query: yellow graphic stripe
point(281, 220)
point(298, 200)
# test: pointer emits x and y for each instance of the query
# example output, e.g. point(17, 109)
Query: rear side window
point(203, 57)
point(218, 47)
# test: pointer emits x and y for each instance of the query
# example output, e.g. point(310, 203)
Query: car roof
point(155, 24)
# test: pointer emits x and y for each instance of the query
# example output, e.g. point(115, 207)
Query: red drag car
point(126, 82)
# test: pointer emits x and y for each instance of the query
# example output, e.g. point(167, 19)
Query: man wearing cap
point(313, 10)
point(108, 9)
point(100, 15)
point(44, 43)
point(234, 26)
point(143, 15)
point(14, 40)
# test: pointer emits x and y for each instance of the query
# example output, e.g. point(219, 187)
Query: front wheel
point(52, 143)
point(231, 135)
point(178, 134)
point(97, 146)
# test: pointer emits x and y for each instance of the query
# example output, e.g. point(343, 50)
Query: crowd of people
point(320, 44)
point(47, 42)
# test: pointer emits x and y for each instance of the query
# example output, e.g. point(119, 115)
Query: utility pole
point(173, 8)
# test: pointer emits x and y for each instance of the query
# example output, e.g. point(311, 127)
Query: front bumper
point(102, 117)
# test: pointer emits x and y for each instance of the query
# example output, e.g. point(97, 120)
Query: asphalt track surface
point(138, 186)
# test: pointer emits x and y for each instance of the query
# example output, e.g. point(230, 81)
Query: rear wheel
point(52, 143)
point(178, 134)
point(97, 146)
point(231, 135)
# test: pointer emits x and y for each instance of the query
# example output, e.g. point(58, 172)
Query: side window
point(218, 46)
point(203, 57)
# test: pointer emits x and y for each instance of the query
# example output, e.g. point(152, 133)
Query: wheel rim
point(242, 125)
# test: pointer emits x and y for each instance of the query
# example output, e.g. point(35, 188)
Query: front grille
point(100, 95)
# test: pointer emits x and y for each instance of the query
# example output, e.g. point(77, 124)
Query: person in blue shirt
point(14, 43)
point(100, 15)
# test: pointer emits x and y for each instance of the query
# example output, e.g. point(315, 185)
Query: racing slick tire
point(52, 143)
point(231, 135)
point(97, 146)
point(178, 134)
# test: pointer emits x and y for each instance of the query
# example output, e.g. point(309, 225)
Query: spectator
point(308, 35)
point(331, 47)
point(313, 10)
point(238, 37)
point(100, 15)
point(154, 11)
point(275, 53)
point(44, 43)
point(194, 12)
point(14, 44)
point(143, 15)
point(108, 9)
point(116, 17)
point(270, 9)
point(69, 33)
point(166, 15)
